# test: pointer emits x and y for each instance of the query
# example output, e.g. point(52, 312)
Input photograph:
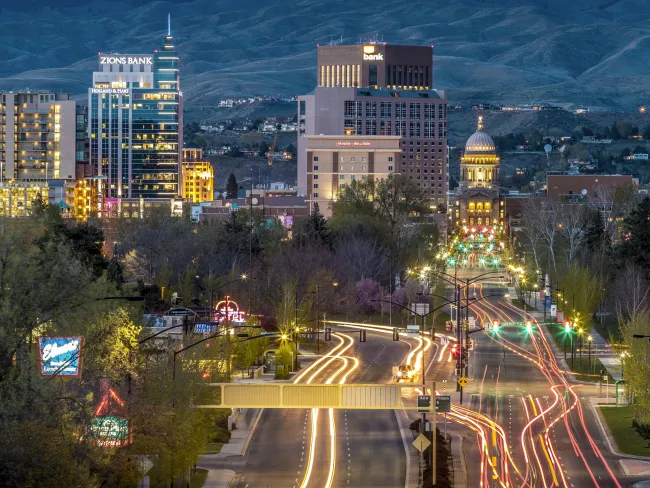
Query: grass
point(628, 440)
point(198, 478)
point(213, 448)
point(522, 305)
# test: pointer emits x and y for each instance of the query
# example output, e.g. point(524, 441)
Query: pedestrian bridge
point(288, 395)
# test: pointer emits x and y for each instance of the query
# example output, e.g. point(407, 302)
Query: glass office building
point(135, 125)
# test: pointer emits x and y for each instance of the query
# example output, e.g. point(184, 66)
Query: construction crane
point(272, 149)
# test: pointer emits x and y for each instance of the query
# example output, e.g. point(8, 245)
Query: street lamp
point(589, 341)
point(624, 355)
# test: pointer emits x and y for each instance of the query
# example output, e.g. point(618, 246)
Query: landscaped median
point(627, 438)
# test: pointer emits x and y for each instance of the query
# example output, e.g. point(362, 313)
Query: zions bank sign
point(369, 54)
point(126, 60)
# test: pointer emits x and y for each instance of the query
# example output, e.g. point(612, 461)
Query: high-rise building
point(135, 125)
point(197, 176)
point(381, 90)
point(37, 148)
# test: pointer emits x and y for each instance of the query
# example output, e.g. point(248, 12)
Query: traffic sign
point(143, 464)
point(472, 322)
point(421, 443)
point(462, 381)
point(424, 403)
point(443, 404)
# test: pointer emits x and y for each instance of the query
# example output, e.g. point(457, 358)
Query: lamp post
point(589, 341)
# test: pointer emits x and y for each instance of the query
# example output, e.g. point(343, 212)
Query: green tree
point(232, 187)
point(582, 290)
point(114, 272)
point(315, 228)
point(634, 246)
point(637, 366)
point(263, 149)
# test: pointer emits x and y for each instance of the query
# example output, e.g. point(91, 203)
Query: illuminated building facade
point(37, 148)
point(135, 126)
point(381, 90)
point(197, 177)
point(477, 201)
point(336, 161)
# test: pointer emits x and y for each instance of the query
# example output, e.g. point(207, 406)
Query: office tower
point(135, 125)
point(381, 90)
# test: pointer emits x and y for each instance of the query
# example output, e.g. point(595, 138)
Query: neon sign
point(60, 355)
point(228, 311)
point(109, 430)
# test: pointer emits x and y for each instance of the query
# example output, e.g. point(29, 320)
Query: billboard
point(109, 431)
point(60, 355)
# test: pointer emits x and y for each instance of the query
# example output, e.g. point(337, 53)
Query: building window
point(315, 185)
point(429, 111)
point(315, 195)
point(352, 177)
point(315, 158)
point(315, 177)
point(386, 111)
point(400, 110)
point(414, 128)
point(341, 177)
point(400, 128)
point(390, 168)
point(390, 159)
point(316, 168)
point(371, 109)
point(414, 111)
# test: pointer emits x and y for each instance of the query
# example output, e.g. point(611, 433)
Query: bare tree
point(572, 224)
point(530, 229)
point(544, 218)
point(632, 292)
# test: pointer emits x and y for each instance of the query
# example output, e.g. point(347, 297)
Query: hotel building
point(380, 90)
point(197, 176)
point(135, 127)
point(37, 150)
point(336, 161)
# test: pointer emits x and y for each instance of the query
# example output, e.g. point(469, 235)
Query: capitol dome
point(480, 142)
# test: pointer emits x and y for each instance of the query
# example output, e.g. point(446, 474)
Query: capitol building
point(477, 200)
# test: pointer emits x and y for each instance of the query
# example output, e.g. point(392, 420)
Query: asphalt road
point(369, 448)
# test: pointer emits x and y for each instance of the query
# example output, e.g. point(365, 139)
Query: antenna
point(169, 24)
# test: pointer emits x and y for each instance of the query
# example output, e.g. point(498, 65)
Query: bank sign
point(370, 53)
point(60, 355)
point(126, 60)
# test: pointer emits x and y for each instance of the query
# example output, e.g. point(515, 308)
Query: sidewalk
point(222, 466)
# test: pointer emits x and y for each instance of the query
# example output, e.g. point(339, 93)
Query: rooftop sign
point(126, 60)
point(111, 91)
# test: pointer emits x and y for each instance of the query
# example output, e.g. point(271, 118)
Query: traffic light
point(495, 326)
point(529, 326)
point(362, 335)
point(328, 334)
point(395, 335)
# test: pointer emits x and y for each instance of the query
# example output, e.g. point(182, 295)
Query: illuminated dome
point(480, 142)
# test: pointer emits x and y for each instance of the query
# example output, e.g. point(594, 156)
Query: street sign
point(553, 310)
point(462, 381)
point(424, 403)
point(547, 302)
point(443, 404)
point(560, 317)
point(421, 443)
point(143, 464)
point(472, 322)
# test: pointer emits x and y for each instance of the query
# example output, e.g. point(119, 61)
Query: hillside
point(583, 52)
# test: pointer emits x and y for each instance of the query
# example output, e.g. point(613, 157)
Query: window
point(371, 127)
point(364, 168)
point(316, 168)
point(390, 159)
point(315, 185)
point(390, 168)
point(400, 128)
point(315, 177)
point(414, 128)
point(372, 75)
point(371, 109)
point(341, 177)
point(353, 177)
point(353, 158)
point(386, 110)
point(385, 128)
point(315, 195)
point(400, 110)
point(429, 130)
point(315, 158)
point(429, 111)
point(414, 111)
point(364, 158)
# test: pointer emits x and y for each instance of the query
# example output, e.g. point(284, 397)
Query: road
point(549, 429)
point(289, 450)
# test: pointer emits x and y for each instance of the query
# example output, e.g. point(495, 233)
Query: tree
point(315, 228)
point(572, 224)
point(582, 289)
point(368, 294)
point(634, 247)
point(114, 272)
point(263, 149)
point(232, 187)
point(636, 365)
point(291, 149)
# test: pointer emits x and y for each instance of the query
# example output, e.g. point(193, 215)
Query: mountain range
point(575, 53)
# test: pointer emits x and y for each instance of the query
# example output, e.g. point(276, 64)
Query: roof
point(480, 142)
